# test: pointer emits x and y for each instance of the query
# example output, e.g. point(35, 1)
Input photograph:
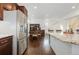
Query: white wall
point(5, 27)
point(55, 24)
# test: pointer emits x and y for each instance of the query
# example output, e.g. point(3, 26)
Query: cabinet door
point(10, 6)
point(6, 46)
point(60, 47)
point(1, 12)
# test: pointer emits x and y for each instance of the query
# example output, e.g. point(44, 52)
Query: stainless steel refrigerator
point(22, 32)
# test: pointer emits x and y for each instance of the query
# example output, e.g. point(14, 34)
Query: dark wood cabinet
point(6, 46)
point(10, 7)
point(1, 12)
point(35, 27)
point(6, 6)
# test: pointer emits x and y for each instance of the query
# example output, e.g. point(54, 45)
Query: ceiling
point(50, 10)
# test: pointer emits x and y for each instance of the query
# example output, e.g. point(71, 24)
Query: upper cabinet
point(10, 7)
point(6, 6)
point(1, 12)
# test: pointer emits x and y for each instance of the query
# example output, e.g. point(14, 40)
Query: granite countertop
point(5, 35)
point(69, 38)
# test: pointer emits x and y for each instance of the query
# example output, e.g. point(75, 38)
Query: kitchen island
point(64, 44)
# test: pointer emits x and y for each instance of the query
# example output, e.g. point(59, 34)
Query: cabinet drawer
point(3, 41)
point(6, 46)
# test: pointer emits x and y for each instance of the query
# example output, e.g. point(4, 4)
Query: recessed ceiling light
point(35, 7)
point(73, 7)
point(46, 23)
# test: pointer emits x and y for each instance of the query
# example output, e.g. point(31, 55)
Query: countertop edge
point(4, 36)
point(71, 42)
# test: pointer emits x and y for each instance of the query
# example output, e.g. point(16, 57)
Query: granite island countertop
point(69, 38)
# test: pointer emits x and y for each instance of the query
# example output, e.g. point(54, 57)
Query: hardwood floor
point(39, 47)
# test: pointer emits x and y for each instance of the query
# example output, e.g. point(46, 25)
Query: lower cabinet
point(6, 46)
point(60, 47)
point(63, 48)
point(75, 49)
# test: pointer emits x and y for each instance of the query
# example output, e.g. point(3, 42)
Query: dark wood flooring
point(39, 47)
